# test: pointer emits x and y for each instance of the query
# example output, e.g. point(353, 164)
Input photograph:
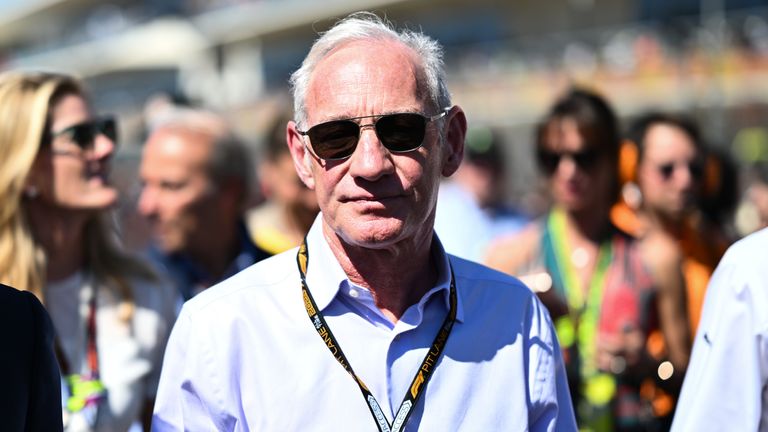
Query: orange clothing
point(701, 255)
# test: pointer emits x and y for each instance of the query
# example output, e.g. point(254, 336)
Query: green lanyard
point(572, 288)
point(580, 326)
point(423, 374)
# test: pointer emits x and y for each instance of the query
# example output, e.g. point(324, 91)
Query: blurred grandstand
point(506, 62)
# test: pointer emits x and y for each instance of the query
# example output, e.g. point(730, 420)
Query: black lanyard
point(423, 374)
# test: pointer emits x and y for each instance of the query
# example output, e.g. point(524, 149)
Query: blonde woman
point(110, 313)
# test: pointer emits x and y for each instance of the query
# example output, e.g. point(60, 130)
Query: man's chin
point(167, 246)
point(376, 233)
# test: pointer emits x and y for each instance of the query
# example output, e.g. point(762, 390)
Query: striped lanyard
point(83, 392)
point(423, 374)
point(584, 310)
point(92, 356)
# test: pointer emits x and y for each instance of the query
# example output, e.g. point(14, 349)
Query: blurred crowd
point(629, 225)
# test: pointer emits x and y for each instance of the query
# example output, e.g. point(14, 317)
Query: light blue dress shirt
point(726, 385)
point(244, 356)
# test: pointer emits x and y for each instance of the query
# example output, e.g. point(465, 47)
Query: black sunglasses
point(549, 161)
point(399, 133)
point(666, 170)
point(84, 134)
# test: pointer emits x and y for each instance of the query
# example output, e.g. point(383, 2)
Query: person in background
point(196, 179)
point(31, 401)
point(369, 324)
point(752, 213)
point(470, 209)
point(667, 178)
point(720, 196)
point(589, 273)
point(726, 387)
point(283, 220)
point(111, 313)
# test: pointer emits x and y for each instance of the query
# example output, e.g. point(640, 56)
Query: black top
point(31, 397)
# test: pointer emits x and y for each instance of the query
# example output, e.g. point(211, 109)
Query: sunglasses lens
point(548, 161)
point(83, 135)
point(401, 132)
point(108, 127)
point(585, 159)
point(334, 139)
point(667, 170)
point(696, 169)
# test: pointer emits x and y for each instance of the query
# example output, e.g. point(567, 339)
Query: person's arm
point(551, 408)
point(664, 259)
point(509, 253)
point(722, 388)
point(44, 409)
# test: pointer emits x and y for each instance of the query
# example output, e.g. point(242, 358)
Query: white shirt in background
point(726, 385)
point(130, 353)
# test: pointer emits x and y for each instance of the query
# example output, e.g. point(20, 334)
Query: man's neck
point(397, 276)
point(61, 234)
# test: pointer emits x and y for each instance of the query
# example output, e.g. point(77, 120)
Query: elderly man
point(369, 325)
point(196, 177)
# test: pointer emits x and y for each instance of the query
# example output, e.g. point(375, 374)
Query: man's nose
point(371, 160)
point(147, 204)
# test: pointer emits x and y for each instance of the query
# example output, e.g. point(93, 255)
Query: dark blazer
point(30, 399)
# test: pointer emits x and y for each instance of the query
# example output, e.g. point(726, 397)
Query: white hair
point(230, 158)
point(366, 25)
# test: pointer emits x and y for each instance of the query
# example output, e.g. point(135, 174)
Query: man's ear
point(302, 157)
point(455, 131)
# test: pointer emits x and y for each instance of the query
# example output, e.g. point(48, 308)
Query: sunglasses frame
point(667, 170)
point(585, 160)
point(360, 127)
point(98, 126)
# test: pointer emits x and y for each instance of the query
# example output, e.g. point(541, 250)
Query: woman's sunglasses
point(399, 133)
point(667, 170)
point(549, 161)
point(84, 134)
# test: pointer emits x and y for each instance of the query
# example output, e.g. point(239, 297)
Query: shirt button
point(353, 293)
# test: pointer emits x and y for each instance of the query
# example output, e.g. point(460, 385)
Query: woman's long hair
point(25, 103)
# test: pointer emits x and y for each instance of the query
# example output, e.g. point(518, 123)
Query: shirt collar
point(324, 273)
point(325, 276)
